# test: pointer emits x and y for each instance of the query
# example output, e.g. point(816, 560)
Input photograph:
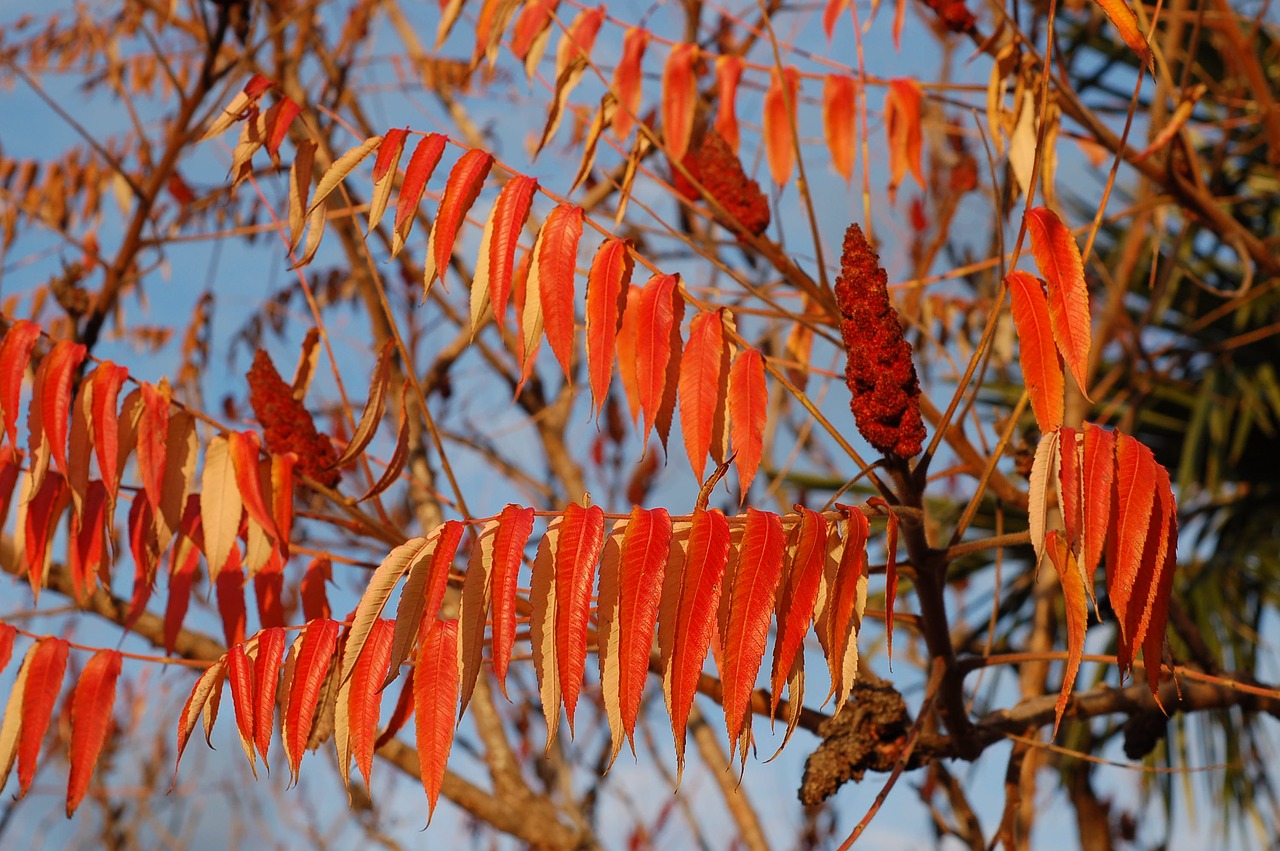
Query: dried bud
point(287, 425)
point(713, 164)
point(879, 370)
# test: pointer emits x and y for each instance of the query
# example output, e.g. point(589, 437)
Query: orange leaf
point(338, 171)
point(1058, 258)
point(628, 366)
point(426, 156)
point(465, 182)
point(578, 39)
point(748, 410)
point(220, 505)
point(435, 699)
point(206, 692)
point(831, 14)
point(473, 609)
point(890, 568)
point(1144, 599)
point(106, 381)
point(266, 676)
point(515, 525)
point(280, 116)
point(797, 595)
point(646, 545)
point(1041, 366)
point(608, 284)
point(693, 616)
point(552, 273)
point(424, 589)
point(374, 599)
point(315, 598)
point(840, 121)
point(752, 584)
point(45, 668)
point(53, 389)
point(530, 32)
point(778, 120)
point(42, 516)
point(7, 634)
point(845, 594)
point(364, 698)
point(374, 407)
point(1131, 516)
point(384, 173)
point(655, 320)
point(400, 713)
point(1126, 23)
point(580, 542)
point(902, 120)
point(496, 260)
point(1098, 486)
point(627, 78)
point(11, 728)
point(679, 98)
point(319, 641)
point(240, 675)
point(1071, 490)
point(1073, 593)
point(542, 627)
point(244, 449)
point(1157, 611)
point(184, 558)
point(728, 74)
point(229, 588)
point(15, 353)
point(703, 379)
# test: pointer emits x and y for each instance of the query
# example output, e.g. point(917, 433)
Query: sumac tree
point(566, 436)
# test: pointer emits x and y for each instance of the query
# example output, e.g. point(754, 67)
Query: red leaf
point(831, 14)
point(282, 499)
point(627, 78)
point(553, 272)
point(266, 676)
point(1070, 482)
point(315, 598)
point(45, 667)
point(1058, 258)
point(1144, 598)
point(244, 449)
point(902, 120)
point(364, 699)
point(748, 411)
point(240, 675)
point(15, 353)
point(843, 612)
point(388, 153)
point(890, 568)
point(43, 514)
point(206, 692)
point(753, 583)
point(778, 120)
point(283, 113)
point(655, 320)
point(268, 586)
point(230, 590)
point(425, 158)
point(496, 262)
point(728, 73)
point(319, 641)
point(797, 595)
point(628, 367)
point(7, 634)
point(840, 121)
point(529, 34)
point(679, 98)
point(694, 617)
point(53, 388)
point(1041, 368)
point(646, 546)
point(143, 549)
point(465, 182)
point(435, 701)
point(703, 387)
point(400, 713)
point(578, 39)
point(515, 525)
point(1157, 611)
point(106, 381)
point(1073, 593)
point(580, 542)
point(608, 285)
point(1099, 485)
point(1131, 515)
point(424, 589)
point(1125, 21)
point(184, 558)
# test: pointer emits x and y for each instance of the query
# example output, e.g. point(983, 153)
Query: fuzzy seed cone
point(287, 425)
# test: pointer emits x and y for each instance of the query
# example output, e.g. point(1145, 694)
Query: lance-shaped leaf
point(422, 163)
point(830, 14)
point(319, 640)
point(495, 263)
point(1073, 594)
point(797, 595)
point(424, 589)
point(384, 173)
point(1044, 469)
point(579, 38)
point(646, 546)
point(748, 412)
point(374, 599)
point(846, 595)
point(360, 701)
point(282, 467)
point(627, 79)
point(752, 584)
point(1069, 486)
point(42, 515)
point(466, 180)
point(435, 699)
point(266, 676)
point(1131, 520)
point(244, 447)
point(400, 713)
point(11, 728)
point(473, 610)
point(15, 353)
point(206, 692)
point(1099, 468)
point(52, 391)
point(552, 274)
point(902, 121)
point(890, 568)
point(220, 504)
point(531, 32)
point(778, 122)
point(601, 121)
point(693, 617)
point(1058, 258)
point(229, 589)
point(107, 379)
point(703, 387)
point(840, 121)
point(578, 546)
point(341, 167)
point(655, 320)
point(374, 407)
point(1041, 367)
point(279, 117)
point(182, 448)
point(299, 191)
point(608, 284)
point(234, 111)
point(728, 74)
point(315, 599)
point(243, 700)
point(1156, 613)
point(628, 341)
point(679, 98)
point(46, 666)
point(184, 559)
point(515, 525)
point(609, 635)
point(1147, 582)
point(1126, 23)
point(464, 185)
point(7, 635)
